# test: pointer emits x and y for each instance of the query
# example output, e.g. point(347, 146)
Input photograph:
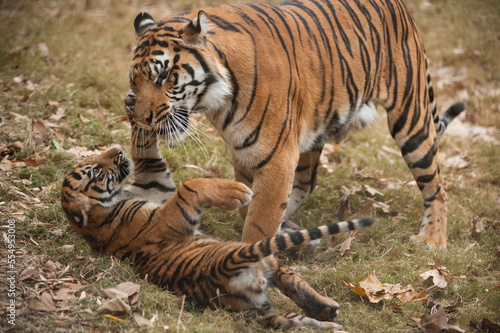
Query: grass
point(87, 72)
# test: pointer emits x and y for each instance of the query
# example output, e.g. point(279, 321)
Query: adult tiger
point(155, 227)
point(279, 81)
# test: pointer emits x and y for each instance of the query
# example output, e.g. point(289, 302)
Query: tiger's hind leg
point(304, 183)
point(304, 180)
point(268, 316)
point(415, 135)
point(313, 304)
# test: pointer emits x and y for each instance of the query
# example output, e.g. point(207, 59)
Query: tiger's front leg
point(151, 178)
point(271, 185)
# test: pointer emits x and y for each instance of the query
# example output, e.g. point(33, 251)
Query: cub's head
point(93, 182)
point(175, 72)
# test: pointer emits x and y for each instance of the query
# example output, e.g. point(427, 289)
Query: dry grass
point(86, 73)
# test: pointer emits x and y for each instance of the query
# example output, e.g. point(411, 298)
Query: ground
point(64, 68)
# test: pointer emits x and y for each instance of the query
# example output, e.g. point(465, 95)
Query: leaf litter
point(376, 291)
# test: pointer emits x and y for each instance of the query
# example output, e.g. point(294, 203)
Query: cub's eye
point(96, 170)
point(163, 76)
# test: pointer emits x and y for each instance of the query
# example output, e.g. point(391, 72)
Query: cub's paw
point(129, 101)
point(228, 194)
point(323, 309)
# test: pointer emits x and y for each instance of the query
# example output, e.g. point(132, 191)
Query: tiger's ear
point(196, 30)
point(141, 22)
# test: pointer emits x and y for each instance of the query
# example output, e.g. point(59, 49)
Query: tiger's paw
point(322, 309)
point(433, 228)
point(228, 194)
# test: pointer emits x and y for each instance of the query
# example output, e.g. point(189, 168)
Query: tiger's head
point(94, 182)
point(174, 74)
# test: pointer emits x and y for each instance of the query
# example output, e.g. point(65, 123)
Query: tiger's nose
point(146, 119)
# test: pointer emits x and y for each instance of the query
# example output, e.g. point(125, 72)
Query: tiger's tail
point(261, 249)
point(441, 122)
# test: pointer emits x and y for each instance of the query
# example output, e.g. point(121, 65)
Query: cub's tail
point(258, 250)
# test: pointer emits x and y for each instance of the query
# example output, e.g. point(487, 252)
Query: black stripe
point(333, 229)
point(154, 185)
point(187, 217)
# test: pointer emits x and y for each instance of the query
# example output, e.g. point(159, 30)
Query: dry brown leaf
point(44, 304)
point(437, 278)
point(61, 112)
point(477, 224)
point(83, 119)
point(62, 294)
point(17, 116)
point(486, 325)
point(438, 275)
point(368, 209)
point(346, 245)
point(16, 145)
point(29, 272)
point(74, 286)
point(372, 191)
point(344, 209)
point(132, 291)
point(39, 128)
point(21, 79)
point(51, 266)
point(377, 291)
point(141, 321)
point(434, 323)
point(5, 164)
point(35, 161)
point(382, 205)
point(114, 306)
point(115, 293)
point(358, 290)
point(67, 247)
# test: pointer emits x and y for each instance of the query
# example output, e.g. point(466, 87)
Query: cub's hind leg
point(313, 304)
point(268, 316)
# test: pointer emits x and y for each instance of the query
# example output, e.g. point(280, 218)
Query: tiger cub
point(278, 82)
point(154, 225)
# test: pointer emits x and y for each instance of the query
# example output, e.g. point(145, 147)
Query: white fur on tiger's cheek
point(216, 96)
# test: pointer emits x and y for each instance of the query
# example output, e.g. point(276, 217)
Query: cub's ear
point(141, 22)
point(195, 31)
